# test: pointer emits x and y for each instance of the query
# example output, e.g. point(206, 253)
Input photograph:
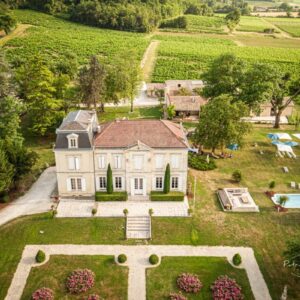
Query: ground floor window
point(102, 182)
point(118, 182)
point(159, 183)
point(76, 184)
point(174, 183)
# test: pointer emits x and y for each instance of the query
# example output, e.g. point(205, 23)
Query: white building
point(138, 152)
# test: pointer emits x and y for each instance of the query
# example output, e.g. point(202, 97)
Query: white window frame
point(73, 162)
point(102, 182)
point(175, 157)
point(175, 183)
point(102, 161)
point(76, 184)
point(118, 161)
point(159, 161)
point(118, 182)
point(159, 184)
point(72, 141)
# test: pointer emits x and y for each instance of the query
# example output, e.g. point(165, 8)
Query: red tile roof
point(153, 133)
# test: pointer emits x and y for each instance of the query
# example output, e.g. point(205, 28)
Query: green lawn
point(162, 280)
point(54, 273)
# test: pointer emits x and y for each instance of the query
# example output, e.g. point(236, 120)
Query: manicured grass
point(113, 113)
point(290, 25)
point(162, 280)
point(110, 279)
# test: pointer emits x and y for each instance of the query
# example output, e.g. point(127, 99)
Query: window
point(175, 161)
point(118, 182)
point(174, 183)
point(72, 141)
point(159, 183)
point(159, 161)
point(138, 162)
point(102, 183)
point(73, 163)
point(102, 162)
point(76, 184)
point(118, 161)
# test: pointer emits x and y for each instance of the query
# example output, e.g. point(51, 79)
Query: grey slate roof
point(84, 141)
point(77, 120)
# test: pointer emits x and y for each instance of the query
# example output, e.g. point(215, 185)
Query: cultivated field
point(289, 25)
point(253, 24)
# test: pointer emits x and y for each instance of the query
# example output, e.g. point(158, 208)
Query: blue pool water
point(293, 202)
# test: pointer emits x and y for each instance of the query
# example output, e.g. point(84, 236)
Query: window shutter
point(83, 183)
point(101, 162)
point(119, 162)
point(77, 163)
point(179, 183)
point(116, 162)
point(69, 187)
point(71, 163)
point(174, 161)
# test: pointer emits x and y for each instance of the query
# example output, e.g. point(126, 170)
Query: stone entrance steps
point(138, 227)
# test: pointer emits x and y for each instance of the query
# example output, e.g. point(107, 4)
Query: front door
point(138, 186)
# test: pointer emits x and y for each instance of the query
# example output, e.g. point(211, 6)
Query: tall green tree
point(37, 89)
point(220, 123)
point(92, 83)
point(233, 18)
point(6, 170)
point(167, 179)
point(7, 21)
point(109, 178)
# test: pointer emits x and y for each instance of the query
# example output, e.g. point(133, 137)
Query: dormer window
point(72, 141)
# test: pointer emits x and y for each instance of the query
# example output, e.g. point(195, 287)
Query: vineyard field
point(187, 57)
point(205, 24)
point(56, 39)
point(289, 25)
point(252, 24)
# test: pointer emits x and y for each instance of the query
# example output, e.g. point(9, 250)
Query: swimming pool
point(293, 202)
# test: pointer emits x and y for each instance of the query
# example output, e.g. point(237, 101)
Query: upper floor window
point(102, 161)
point(175, 161)
point(118, 161)
point(138, 162)
point(159, 161)
point(73, 163)
point(72, 141)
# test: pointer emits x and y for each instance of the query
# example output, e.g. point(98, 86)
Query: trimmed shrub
point(122, 258)
point(175, 296)
point(93, 297)
point(43, 294)
point(153, 259)
point(110, 186)
point(171, 196)
point(189, 283)
point(226, 288)
point(94, 211)
point(237, 176)
point(237, 259)
point(116, 196)
point(167, 179)
point(125, 211)
point(199, 162)
point(272, 184)
point(80, 281)
point(40, 256)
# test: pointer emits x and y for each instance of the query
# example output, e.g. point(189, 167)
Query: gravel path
point(36, 200)
point(138, 263)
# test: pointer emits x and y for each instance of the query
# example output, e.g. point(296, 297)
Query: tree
point(283, 200)
point(92, 82)
point(109, 186)
point(37, 88)
point(224, 77)
point(7, 21)
point(237, 175)
point(220, 123)
point(233, 19)
point(6, 170)
point(171, 111)
point(167, 179)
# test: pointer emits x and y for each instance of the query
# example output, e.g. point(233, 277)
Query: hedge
point(199, 162)
point(116, 196)
point(161, 196)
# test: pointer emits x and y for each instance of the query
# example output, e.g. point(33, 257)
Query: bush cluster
point(189, 283)
point(171, 196)
point(199, 162)
point(153, 259)
point(179, 22)
point(226, 288)
point(80, 281)
point(237, 260)
point(122, 258)
point(40, 256)
point(115, 196)
point(175, 296)
point(43, 294)
point(237, 175)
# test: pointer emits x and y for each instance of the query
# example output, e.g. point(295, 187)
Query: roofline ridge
point(173, 132)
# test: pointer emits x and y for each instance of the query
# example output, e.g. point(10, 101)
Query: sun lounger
point(293, 155)
point(280, 154)
point(293, 184)
point(289, 154)
point(298, 186)
point(261, 152)
point(285, 169)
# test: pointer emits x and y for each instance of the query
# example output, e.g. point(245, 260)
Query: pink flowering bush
point(80, 281)
point(43, 294)
point(189, 283)
point(175, 296)
point(93, 297)
point(226, 288)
